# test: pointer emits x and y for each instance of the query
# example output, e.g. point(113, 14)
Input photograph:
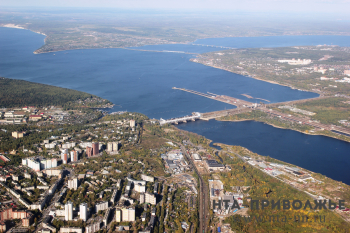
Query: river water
point(142, 81)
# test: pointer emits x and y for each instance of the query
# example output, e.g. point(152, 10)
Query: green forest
point(19, 93)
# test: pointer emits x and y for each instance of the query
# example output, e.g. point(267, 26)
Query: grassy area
point(263, 117)
point(328, 111)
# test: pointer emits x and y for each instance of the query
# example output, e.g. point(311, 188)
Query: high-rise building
point(65, 159)
point(53, 162)
point(132, 123)
point(142, 198)
point(9, 214)
point(83, 211)
point(95, 148)
point(74, 156)
point(73, 183)
point(128, 215)
point(64, 156)
point(101, 206)
point(150, 198)
point(93, 227)
point(118, 215)
point(37, 164)
point(88, 151)
point(110, 146)
point(115, 146)
point(139, 188)
point(68, 211)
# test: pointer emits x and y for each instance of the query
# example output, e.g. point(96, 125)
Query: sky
point(314, 6)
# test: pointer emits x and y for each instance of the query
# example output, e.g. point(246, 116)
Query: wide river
point(141, 81)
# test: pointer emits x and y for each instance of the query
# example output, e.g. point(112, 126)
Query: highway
point(203, 196)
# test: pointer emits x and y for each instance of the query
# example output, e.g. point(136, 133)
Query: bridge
point(195, 116)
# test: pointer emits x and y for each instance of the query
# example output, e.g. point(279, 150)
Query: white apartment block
point(101, 206)
point(112, 146)
point(128, 215)
point(83, 211)
point(118, 215)
point(150, 198)
point(142, 198)
point(93, 227)
point(68, 211)
point(147, 178)
point(37, 165)
point(71, 229)
point(73, 183)
point(140, 188)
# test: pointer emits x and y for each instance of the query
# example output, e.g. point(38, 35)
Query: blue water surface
point(142, 81)
point(320, 154)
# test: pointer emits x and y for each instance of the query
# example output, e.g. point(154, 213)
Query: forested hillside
point(18, 93)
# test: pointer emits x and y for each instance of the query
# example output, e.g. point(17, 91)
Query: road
point(54, 199)
point(203, 196)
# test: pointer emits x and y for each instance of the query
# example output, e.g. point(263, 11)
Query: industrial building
point(213, 165)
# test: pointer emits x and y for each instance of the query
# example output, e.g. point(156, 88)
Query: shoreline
point(279, 127)
point(257, 78)
point(16, 26)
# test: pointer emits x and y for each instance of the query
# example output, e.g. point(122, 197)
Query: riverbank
point(265, 121)
point(279, 127)
point(248, 75)
point(313, 186)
